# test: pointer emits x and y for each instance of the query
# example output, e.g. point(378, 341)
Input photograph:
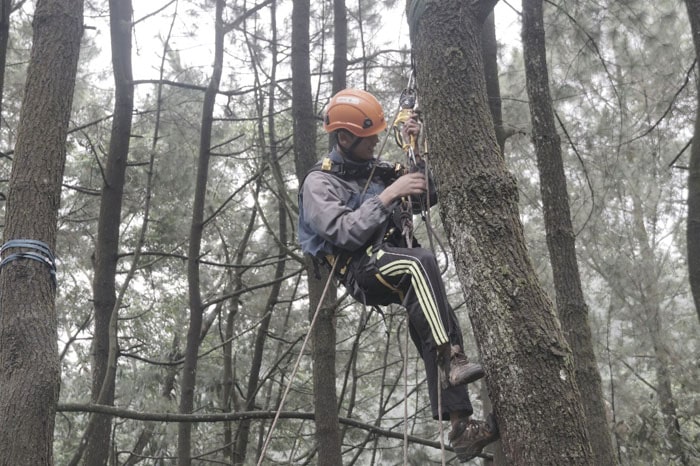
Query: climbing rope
point(408, 109)
point(405, 396)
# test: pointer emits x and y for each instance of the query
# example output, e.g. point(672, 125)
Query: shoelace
point(474, 429)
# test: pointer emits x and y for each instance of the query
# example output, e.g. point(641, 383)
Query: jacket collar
point(337, 156)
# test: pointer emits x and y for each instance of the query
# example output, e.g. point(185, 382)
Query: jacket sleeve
point(326, 208)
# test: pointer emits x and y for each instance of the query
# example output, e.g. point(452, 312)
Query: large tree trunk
point(107, 247)
point(693, 227)
point(29, 365)
point(189, 369)
point(529, 366)
point(571, 305)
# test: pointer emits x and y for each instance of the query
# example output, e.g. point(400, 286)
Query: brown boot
point(455, 368)
point(469, 437)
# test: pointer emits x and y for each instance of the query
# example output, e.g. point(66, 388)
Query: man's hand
point(406, 185)
point(410, 131)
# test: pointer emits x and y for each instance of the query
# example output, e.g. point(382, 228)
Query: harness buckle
point(343, 269)
point(326, 164)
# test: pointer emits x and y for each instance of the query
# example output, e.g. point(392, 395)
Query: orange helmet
point(355, 110)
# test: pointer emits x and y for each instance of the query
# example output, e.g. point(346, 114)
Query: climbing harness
point(387, 171)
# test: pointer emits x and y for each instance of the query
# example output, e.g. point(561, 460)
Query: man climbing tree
point(354, 216)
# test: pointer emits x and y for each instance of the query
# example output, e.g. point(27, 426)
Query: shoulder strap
point(387, 171)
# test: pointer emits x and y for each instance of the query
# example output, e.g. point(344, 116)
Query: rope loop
point(40, 252)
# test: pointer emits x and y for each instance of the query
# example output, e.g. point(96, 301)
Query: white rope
point(405, 398)
point(442, 430)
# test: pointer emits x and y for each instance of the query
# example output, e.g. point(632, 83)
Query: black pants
point(411, 277)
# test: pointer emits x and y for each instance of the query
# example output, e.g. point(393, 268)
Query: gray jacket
point(335, 215)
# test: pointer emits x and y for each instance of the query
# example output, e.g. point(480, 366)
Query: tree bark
point(529, 367)
point(189, 369)
point(570, 302)
point(29, 364)
point(107, 245)
point(693, 226)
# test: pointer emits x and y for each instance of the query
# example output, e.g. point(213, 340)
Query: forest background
point(623, 85)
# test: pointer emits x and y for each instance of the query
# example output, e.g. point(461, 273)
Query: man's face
point(363, 149)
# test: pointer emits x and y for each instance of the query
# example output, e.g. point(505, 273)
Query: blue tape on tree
point(40, 253)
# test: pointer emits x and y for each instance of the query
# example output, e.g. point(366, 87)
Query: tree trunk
point(571, 305)
point(693, 227)
point(189, 370)
point(529, 367)
point(323, 335)
point(107, 247)
point(29, 365)
point(340, 41)
point(229, 395)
